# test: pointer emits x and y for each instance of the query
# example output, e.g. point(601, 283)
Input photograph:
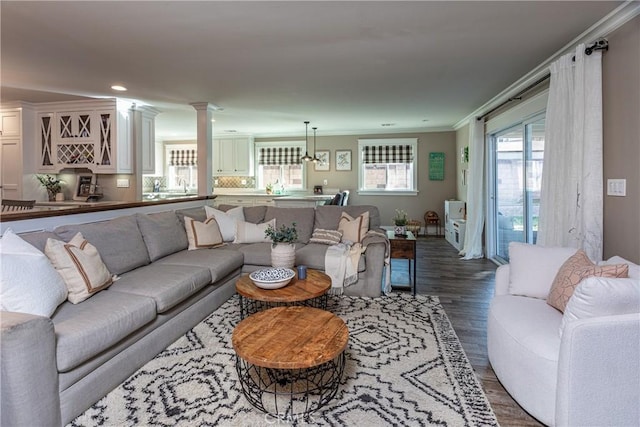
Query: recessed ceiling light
point(119, 88)
point(230, 131)
point(388, 124)
point(425, 120)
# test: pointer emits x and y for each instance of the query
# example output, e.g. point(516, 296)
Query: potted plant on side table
point(283, 249)
point(400, 223)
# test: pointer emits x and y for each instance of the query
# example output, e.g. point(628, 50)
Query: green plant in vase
point(283, 249)
point(52, 184)
point(283, 234)
point(400, 222)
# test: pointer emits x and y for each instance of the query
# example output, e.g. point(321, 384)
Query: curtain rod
point(600, 44)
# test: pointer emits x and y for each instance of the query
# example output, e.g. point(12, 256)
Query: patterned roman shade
point(387, 154)
point(274, 156)
point(183, 158)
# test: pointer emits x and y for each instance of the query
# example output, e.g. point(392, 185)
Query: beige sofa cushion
point(303, 217)
point(167, 285)
point(328, 217)
point(163, 233)
point(119, 254)
point(84, 330)
point(220, 261)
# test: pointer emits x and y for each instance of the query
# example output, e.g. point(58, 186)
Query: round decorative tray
point(272, 278)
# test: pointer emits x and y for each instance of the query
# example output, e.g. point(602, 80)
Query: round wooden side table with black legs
point(290, 360)
point(311, 292)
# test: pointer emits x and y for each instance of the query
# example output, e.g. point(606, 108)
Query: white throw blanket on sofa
point(341, 264)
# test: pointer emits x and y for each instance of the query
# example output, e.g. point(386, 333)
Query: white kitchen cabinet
point(16, 159)
point(11, 164)
point(85, 134)
point(233, 156)
point(148, 139)
point(10, 123)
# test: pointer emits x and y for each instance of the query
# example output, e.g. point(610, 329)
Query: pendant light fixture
point(314, 159)
point(306, 156)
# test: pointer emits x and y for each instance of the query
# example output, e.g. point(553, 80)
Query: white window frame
point(259, 145)
point(413, 142)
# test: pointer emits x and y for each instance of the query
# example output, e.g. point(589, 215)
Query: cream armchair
point(580, 368)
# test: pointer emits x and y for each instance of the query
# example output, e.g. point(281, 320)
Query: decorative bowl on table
point(272, 278)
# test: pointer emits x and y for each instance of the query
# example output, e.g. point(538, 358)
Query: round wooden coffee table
point(311, 292)
point(290, 360)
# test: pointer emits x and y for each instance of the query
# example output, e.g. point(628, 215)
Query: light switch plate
point(122, 183)
point(617, 187)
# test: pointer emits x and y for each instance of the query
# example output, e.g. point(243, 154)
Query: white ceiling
point(348, 67)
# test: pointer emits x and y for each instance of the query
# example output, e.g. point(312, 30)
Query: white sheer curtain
point(475, 193)
point(571, 195)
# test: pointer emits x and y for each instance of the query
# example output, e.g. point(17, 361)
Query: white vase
point(400, 230)
point(283, 255)
point(59, 197)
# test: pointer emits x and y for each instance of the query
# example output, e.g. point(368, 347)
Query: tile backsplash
point(222, 182)
point(148, 182)
point(234, 181)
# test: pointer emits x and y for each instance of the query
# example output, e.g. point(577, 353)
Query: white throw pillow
point(247, 232)
point(602, 296)
point(202, 235)
point(80, 265)
point(28, 282)
point(533, 268)
point(226, 220)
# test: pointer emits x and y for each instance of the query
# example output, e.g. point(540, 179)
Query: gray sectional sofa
point(55, 368)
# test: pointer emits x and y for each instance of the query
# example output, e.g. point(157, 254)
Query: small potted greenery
point(283, 250)
point(400, 222)
point(51, 184)
point(269, 188)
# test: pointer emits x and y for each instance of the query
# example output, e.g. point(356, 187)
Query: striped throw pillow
point(326, 237)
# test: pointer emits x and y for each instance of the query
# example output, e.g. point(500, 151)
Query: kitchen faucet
point(183, 182)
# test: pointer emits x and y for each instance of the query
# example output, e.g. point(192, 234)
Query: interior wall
point(621, 132)
point(432, 194)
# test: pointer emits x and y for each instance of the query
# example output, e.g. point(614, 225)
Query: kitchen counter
point(71, 207)
point(245, 198)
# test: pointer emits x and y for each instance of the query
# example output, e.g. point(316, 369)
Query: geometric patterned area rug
point(404, 366)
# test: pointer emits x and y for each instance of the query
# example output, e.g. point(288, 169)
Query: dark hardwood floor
point(465, 289)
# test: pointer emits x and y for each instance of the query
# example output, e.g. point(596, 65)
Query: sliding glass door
point(516, 171)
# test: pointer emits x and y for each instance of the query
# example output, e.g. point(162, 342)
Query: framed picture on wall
point(83, 187)
point(343, 160)
point(323, 162)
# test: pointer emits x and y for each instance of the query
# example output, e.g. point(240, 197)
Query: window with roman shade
point(388, 166)
point(387, 154)
point(181, 171)
point(183, 157)
point(279, 164)
point(275, 156)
